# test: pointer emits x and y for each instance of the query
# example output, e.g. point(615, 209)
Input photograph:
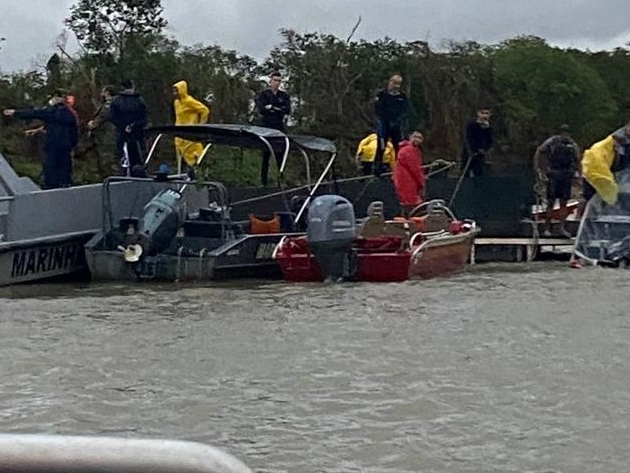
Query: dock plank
point(525, 241)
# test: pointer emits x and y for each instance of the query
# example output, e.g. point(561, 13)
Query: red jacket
point(409, 176)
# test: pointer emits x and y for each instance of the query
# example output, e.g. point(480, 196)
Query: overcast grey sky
point(251, 26)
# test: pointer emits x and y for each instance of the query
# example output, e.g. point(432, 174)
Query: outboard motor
point(330, 232)
point(161, 219)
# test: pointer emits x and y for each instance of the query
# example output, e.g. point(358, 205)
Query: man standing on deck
point(409, 178)
point(478, 142)
point(274, 106)
point(128, 113)
point(62, 133)
point(392, 111)
point(561, 161)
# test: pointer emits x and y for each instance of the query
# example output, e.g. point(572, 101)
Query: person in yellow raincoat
point(188, 111)
point(602, 160)
point(366, 152)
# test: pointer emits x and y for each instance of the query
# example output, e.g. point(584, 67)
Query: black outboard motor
point(331, 230)
point(161, 219)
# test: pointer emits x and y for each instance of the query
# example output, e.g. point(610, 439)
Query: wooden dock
point(523, 249)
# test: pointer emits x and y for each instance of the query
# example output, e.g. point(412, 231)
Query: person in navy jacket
point(62, 135)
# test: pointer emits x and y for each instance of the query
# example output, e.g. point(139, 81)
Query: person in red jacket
point(409, 179)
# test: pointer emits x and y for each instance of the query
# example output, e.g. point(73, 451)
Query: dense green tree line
point(531, 87)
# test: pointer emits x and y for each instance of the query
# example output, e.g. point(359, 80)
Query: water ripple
point(505, 368)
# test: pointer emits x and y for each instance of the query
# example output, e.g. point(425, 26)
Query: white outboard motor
point(331, 230)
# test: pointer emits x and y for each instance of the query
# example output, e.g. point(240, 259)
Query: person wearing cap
point(600, 163)
point(556, 161)
point(62, 134)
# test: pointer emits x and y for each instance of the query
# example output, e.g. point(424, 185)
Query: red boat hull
point(377, 259)
point(381, 259)
point(300, 267)
point(383, 267)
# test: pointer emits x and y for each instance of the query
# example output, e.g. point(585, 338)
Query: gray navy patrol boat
point(42, 232)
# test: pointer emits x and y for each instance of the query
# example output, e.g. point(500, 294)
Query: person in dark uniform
point(478, 142)
point(561, 161)
point(392, 114)
point(128, 113)
point(62, 135)
point(274, 106)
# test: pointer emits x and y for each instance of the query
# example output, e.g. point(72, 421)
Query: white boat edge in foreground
point(35, 453)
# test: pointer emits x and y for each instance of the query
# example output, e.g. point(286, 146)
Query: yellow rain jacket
point(188, 111)
point(597, 165)
point(367, 151)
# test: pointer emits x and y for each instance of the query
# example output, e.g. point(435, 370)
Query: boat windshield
point(604, 233)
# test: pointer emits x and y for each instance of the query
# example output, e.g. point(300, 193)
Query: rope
point(438, 162)
point(460, 180)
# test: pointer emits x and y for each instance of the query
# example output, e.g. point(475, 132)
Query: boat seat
point(376, 225)
point(371, 227)
point(436, 222)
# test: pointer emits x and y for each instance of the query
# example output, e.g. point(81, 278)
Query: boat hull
point(442, 256)
point(245, 256)
point(43, 259)
point(377, 260)
point(382, 267)
point(110, 265)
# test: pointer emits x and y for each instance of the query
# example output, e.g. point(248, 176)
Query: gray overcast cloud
point(251, 26)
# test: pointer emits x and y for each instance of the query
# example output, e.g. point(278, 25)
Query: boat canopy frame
point(252, 137)
point(245, 136)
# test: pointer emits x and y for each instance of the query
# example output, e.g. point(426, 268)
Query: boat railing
point(179, 158)
point(425, 235)
point(437, 204)
point(277, 247)
point(307, 201)
point(152, 150)
point(25, 453)
point(429, 168)
point(182, 184)
point(442, 234)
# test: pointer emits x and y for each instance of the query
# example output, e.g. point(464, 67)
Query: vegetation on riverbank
point(531, 87)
